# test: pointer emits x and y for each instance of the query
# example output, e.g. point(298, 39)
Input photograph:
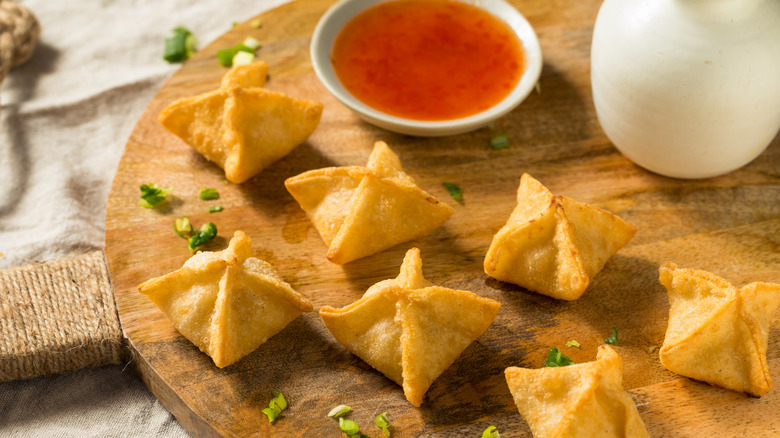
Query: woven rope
point(19, 30)
point(58, 317)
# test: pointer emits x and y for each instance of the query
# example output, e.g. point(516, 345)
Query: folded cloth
point(65, 116)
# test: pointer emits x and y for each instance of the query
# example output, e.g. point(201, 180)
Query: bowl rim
point(331, 23)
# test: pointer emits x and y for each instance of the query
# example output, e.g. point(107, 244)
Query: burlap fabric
point(57, 317)
point(19, 31)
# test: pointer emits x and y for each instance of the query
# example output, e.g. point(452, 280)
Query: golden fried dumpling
point(581, 400)
point(718, 333)
point(241, 127)
point(227, 303)
point(554, 245)
point(360, 211)
point(408, 329)
point(246, 76)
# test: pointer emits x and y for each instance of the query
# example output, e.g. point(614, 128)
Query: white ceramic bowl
point(339, 14)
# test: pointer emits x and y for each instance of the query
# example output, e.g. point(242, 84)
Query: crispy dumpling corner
point(242, 127)
point(227, 303)
point(246, 76)
point(408, 329)
point(584, 399)
point(360, 211)
point(554, 245)
point(718, 333)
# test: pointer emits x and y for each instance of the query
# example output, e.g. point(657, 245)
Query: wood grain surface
point(728, 225)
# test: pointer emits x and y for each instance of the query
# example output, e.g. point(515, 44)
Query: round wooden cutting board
point(728, 225)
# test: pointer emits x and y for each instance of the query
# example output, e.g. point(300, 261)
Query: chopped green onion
point(339, 411)
point(215, 209)
point(235, 23)
point(556, 359)
point(183, 227)
point(257, 24)
point(275, 406)
point(279, 398)
point(252, 43)
point(499, 141)
point(207, 232)
point(348, 426)
point(208, 194)
point(613, 338)
point(223, 180)
point(652, 348)
point(225, 56)
point(573, 343)
point(179, 45)
point(491, 432)
point(151, 195)
point(243, 58)
point(272, 413)
point(382, 422)
point(455, 191)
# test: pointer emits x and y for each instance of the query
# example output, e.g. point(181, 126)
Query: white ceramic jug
point(688, 88)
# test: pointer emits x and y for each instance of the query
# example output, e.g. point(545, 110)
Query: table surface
point(728, 225)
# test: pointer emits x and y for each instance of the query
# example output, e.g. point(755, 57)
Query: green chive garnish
point(243, 58)
point(252, 43)
point(207, 232)
point(275, 406)
point(491, 432)
point(499, 141)
point(348, 426)
point(455, 191)
point(151, 195)
point(556, 359)
point(183, 227)
point(215, 209)
point(225, 56)
point(382, 422)
point(339, 411)
point(179, 45)
point(573, 343)
point(208, 194)
point(613, 338)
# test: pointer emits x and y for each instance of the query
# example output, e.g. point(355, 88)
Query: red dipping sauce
point(428, 60)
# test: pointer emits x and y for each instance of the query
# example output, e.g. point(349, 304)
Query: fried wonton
point(554, 245)
point(241, 127)
point(227, 303)
point(718, 333)
point(246, 76)
point(581, 400)
point(408, 329)
point(360, 211)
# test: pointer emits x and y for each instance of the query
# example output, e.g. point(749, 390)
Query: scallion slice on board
point(499, 141)
point(207, 232)
point(179, 45)
point(339, 411)
point(556, 359)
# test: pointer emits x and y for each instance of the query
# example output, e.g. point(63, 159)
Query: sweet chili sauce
point(428, 59)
